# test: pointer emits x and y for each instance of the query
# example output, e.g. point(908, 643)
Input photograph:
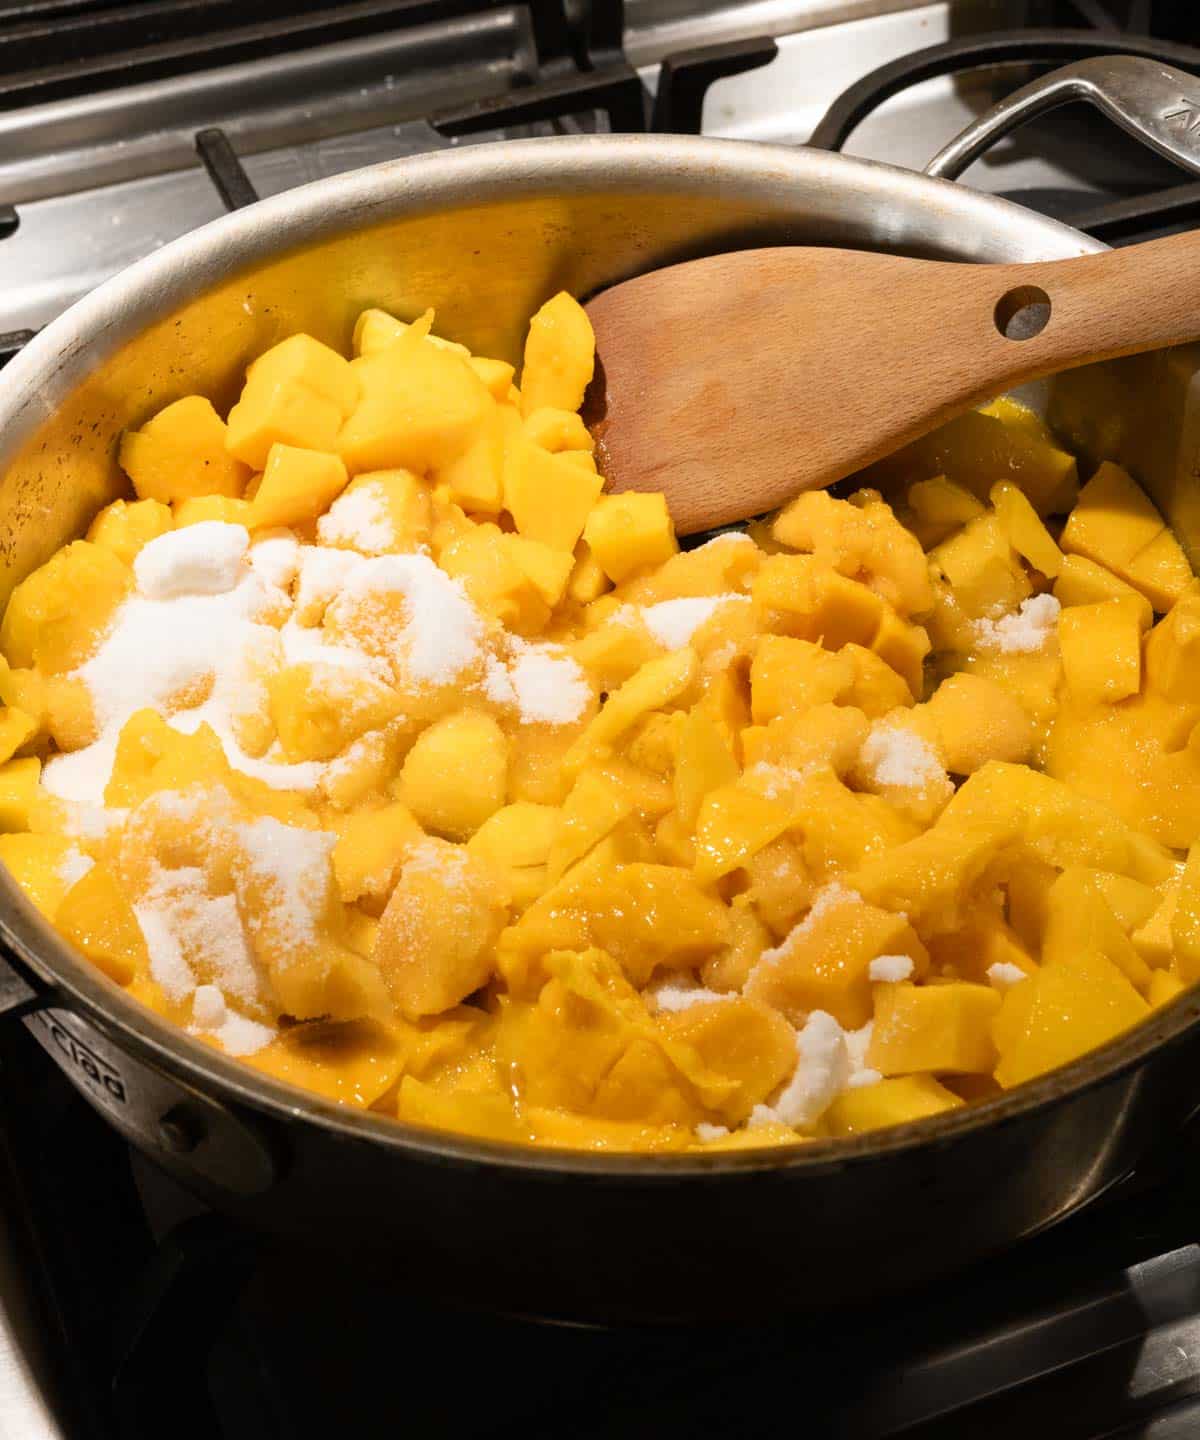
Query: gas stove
point(126, 1309)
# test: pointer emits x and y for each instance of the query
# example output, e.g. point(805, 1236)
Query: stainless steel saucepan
point(485, 234)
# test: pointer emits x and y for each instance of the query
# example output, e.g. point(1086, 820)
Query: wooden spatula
point(733, 382)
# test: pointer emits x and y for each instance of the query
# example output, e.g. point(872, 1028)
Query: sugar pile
point(359, 519)
point(890, 969)
point(202, 559)
point(201, 625)
point(894, 755)
point(674, 622)
point(1022, 633)
point(442, 632)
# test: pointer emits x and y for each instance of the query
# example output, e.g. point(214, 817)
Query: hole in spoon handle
point(1022, 313)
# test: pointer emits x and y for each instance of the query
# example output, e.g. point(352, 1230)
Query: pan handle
point(189, 1131)
point(1155, 103)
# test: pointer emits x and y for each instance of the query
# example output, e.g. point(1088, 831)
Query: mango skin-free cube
point(57, 616)
point(824, 963)
point(890, 1102)
point(455, 776)
point(1101, 651)
point(297, 485)
point(943, 1029)
point(630, 532)
point(1116, 524)
point(549, 500)
point(419, 408)
point(559, 356)
point(1067, 1009)
point(182, 452)
point(96, 915)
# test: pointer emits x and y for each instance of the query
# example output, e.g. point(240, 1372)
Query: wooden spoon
point(736, 381)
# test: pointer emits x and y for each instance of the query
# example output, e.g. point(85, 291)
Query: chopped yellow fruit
point(940, 507)
point(19, 792)
point(975, 720)
point(556, 430)
point(559, 356)
point(182, 452)
point(222, 508)
point(370, 851)
point(429, 965)
point(125, 526)
point(824, 963)
point(297, 394)
point(1185, 920)
point(40, 866)
point(419, 409)
point(1101, 651)
point(16, 727)
point(96, 915)
point(890, 1102)
point(548, 499)
point(319, 709)
point(455, 775)
point(57, 617)
point(1081, 581)
point(945, 1029)
point(1116, 524)
point(741, 1040)
point(1026, 533)
point(1065, 1010)
point(297, 485)
point(733, 824)
point(630, 532)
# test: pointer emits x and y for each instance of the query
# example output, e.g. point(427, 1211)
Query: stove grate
point(225, 170)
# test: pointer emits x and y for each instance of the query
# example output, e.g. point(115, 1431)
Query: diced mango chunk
point(57, 617)
point(1115, 524)
point(96, 915)
point(630, 532)
point(428, 965)
point(890, 1102)
point(943, 1029)
point(455, 776)
point(1101, 651)
point(1067, 1009)
point(296, 485)
point(182, 452)
point(559, 356)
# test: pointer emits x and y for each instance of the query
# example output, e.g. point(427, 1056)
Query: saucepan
point(485, 234)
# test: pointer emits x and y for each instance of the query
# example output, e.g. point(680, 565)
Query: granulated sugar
point(679, 991)
point(359, 520)
point(275, 557)
point(193, 936)
point(442, 630)
point(74, 866)
point(497, 684)
point(160, 650)
point(1004, 974)
point(896, 756)
point(822, 1071)
point(674, 622)
point(292, 865)
point(202, 559)
point(890, 969)
point(323, 574)
point(1021, 633)
point(548, 685)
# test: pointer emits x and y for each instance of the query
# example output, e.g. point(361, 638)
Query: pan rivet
point(181, 1129)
